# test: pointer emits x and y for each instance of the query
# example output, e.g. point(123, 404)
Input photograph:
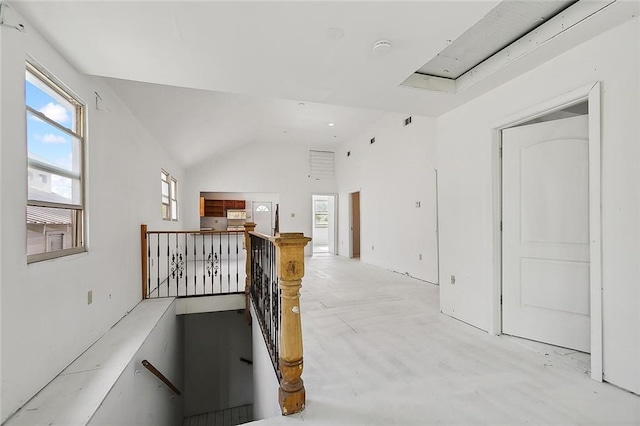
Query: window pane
point(174, 211)
point(44, 99)
point(50, 229)
point(321, 206)
point(50, 187)
point(49, 145)
point(165, 190)
point(322, 219)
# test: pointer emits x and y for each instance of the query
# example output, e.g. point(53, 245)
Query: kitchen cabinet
point(218, 208)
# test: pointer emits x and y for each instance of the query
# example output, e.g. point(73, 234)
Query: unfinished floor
point(377, 351)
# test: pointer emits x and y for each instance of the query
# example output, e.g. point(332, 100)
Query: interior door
point(545, 239)
point(355, 224)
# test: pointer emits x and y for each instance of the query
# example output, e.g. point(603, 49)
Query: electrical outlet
point(453, 279)
point(89, 297)
point(417, 204)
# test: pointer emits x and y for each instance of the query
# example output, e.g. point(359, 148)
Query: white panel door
point(545, 239)
point(262, 214)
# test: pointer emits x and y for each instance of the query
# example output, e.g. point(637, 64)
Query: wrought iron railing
point(265, 294)
point(180, 264)
point(192, 263)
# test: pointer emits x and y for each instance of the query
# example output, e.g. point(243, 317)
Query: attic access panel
point(504, 24)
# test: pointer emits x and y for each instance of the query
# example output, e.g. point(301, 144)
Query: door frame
point(591, 94)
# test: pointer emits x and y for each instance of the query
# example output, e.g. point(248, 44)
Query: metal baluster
point(228, 264)
point(195, 269)
point(212, 260)
point(148, 266)
point(177, 277)
point(237, 261)
point(204, 291)
point(220, 251)
point(158, 266)
point(186, 260)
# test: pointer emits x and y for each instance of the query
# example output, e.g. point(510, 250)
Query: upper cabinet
point(218, 208)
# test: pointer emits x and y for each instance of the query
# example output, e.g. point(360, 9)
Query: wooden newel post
point(290, 266)
point(248, 227)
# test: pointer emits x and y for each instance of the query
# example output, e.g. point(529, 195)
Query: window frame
point(78, 211)
point(167, 209)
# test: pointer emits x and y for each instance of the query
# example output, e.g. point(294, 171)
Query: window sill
point(56, 255)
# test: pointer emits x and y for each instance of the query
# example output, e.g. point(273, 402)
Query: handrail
point(263, 236)
point(277, 268)
point(161, 376)
point(211, 231)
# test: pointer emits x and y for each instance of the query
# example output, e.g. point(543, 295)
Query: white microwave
point(236, 214)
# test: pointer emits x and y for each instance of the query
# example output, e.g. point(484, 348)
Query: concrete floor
point(377, 351)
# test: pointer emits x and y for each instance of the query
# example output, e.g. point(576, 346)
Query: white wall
point(215, 378)
point(281, 168)
point(465, 172)
point(141, 398)
point(46, 321)
point(392, 175)
point(265, 381)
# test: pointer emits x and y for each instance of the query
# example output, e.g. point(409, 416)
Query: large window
point(55, 165)
point(169, 196)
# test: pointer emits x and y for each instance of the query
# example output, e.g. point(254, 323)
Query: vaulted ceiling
point(205, 76)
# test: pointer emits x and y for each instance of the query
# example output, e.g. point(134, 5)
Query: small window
point(174, 199)
point(322, 165)
point(262, 208)
point(321, 213)
point(169, 190)
point(55, 168)
point(56, 241)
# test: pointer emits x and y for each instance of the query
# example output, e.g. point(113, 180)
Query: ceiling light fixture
point(381, 47)
point(331, 124)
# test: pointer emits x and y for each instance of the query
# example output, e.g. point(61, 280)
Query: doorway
point(589, 97)
point(324, 214)
point(355, 224)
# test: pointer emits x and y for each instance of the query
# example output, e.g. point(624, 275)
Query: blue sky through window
point(44, 140)
point(46, 143)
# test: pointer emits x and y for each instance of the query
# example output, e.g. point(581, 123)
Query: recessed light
point(331, 124)
point(381, 47)
point(300, 103)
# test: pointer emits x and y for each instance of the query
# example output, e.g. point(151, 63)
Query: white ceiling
point(204, 76)
point(195, 125)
